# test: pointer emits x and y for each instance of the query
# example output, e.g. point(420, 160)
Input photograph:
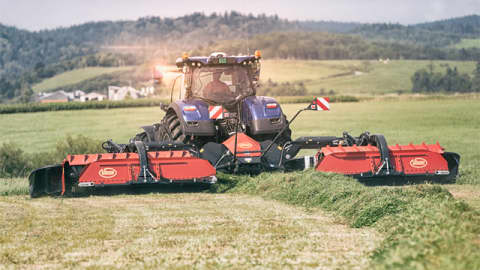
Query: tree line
point(327, 46)
point(429, 80)
point(439, 34)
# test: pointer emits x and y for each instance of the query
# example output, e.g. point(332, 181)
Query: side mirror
point(319, 104)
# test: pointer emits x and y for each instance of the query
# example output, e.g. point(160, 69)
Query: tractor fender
point(196, 123)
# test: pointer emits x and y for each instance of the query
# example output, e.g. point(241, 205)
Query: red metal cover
point(244, 144)
point(408, 159)
point(121, 168)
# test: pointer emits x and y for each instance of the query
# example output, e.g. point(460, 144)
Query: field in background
point(343, 76)
point(74, 76)
point(452, 122)
point(467, 43)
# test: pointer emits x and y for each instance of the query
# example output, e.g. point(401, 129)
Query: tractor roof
point(217, 59)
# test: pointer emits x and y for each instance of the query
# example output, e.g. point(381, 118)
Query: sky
point(47, 14)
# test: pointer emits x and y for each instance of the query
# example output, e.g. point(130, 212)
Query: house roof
point(59, 95)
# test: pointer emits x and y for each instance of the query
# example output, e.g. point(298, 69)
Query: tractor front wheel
point(174, 132)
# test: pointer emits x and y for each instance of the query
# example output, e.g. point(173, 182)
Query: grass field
point(158, 230)
point(74, 76)
point(467, 43)
point(179, 231)
point(339, 75)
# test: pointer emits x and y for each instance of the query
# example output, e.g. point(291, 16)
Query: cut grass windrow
point(424, 226)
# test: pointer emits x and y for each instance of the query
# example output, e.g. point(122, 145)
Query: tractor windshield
point(221, 84)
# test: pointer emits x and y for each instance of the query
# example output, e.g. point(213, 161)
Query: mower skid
point(46, 181)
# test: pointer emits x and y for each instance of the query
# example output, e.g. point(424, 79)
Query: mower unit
point(146, 164)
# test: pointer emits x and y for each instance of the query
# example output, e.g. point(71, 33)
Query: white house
point(120, 93)
point(92, 96)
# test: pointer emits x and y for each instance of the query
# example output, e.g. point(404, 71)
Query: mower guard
point(395, 164)
point(110, 169)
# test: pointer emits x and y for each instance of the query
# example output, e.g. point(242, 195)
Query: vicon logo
point(245, 145)
point(107, 172)
point(418, 163)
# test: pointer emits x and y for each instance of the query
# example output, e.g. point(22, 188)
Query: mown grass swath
point(424, 226)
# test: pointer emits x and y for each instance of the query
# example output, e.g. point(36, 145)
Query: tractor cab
point(221, 85)
point(219, 79)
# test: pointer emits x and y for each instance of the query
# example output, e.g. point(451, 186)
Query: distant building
point(120, 93)
point(62, 96)
point(77, 94)
point(59, 96)
point(92, 96)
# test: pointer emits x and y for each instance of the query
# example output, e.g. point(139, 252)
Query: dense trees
point(429, 81)
point(435, 34)
point(321, 45)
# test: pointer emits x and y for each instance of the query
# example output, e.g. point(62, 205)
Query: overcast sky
point(42, 14)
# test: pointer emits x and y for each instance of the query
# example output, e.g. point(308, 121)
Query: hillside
point(75, 76)
point(21, 50)
point(433, 34)
point(467, 25)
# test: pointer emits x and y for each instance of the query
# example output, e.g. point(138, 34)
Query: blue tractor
point(217, 100)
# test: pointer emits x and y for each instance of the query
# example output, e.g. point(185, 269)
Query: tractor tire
point(159, 134)
point(142, 137)
point(173, 131)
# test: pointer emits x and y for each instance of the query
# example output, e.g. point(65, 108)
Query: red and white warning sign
point(320, 104)
point(215, 112)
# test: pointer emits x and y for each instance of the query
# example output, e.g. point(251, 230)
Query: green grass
point(382, 78)
point(174, 231)
point(301, 70)
point(376, 77)
point(74, 76)
point(13, 186)
point(424, 226)
point(467, 43)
